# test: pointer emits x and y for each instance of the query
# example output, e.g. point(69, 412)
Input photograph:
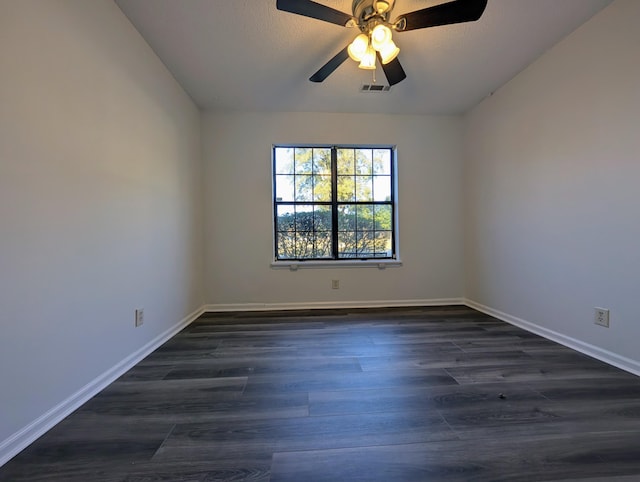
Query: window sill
point(369, 263)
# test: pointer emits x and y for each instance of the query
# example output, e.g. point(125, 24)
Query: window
point(334, 203)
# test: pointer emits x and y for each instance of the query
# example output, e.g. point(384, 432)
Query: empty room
point(329, 240)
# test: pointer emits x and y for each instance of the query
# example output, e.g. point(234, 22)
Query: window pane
point(304, 162)
point(347, 217)
point(365, 218)
point(347, 245)
point(304, 218)
point(383, 244)
point(323, 245)
point(304, 188)
point(346, 188)
point(286, 246)
point(304, 244)
point(365, 244)
point(346, 161)
point(322, 161)
point(383, 218)
point(322, 219)
point(382, 188)
point(364, 161)
point(284, 160)
point(322, 188)
point(286, 218)
point(364, 188)
point(382, 161)
point(284, 188)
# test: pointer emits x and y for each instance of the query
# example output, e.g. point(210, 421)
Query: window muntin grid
point(334, 203)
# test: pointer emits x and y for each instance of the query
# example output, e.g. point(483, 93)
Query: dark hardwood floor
point(393, 395)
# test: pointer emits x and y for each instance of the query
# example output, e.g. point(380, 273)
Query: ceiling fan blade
point(457, 11)
point(307, 8)
point(327, 69)
point(393, 71)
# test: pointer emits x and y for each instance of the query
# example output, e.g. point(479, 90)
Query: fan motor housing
point(363, 10)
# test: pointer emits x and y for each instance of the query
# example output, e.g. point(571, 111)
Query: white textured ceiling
point(246, 55)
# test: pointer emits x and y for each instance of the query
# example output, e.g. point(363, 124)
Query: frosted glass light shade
point(358, 47)
point(368, 61)
point(380, 37)
point(389, 52)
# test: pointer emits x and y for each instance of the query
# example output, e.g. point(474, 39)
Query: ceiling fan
point(372, 17)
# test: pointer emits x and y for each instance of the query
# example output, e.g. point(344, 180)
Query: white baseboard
point(323, 305)
point(624, 363)
point(17, 442)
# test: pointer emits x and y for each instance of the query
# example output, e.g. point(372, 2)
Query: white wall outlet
point(139, 317)
point(335, 284)
point(601, 317)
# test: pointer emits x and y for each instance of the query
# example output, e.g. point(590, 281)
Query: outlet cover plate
point(601, 317)
point(139, 317)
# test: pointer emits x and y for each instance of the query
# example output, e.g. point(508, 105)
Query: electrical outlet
point(601, 317)
point(139, 320)
point(335, 284)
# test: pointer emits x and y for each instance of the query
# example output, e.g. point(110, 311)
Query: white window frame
point(380, 263)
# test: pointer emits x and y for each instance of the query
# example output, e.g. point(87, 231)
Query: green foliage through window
point(333, 203)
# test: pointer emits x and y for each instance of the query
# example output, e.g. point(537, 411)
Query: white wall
point(100, 201)
point(552, 189)
point(237, 153)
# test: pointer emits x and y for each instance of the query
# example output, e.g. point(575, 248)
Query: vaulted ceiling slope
point(245, 55)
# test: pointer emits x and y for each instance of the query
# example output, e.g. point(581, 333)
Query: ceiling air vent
point(375, 88)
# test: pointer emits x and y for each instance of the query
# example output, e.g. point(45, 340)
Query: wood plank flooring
point(393, 395)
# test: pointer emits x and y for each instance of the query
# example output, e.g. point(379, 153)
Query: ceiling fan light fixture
point(380, 37)
point(370, 15)
point(368, 61)
point(389, 52)
point(358, 47)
